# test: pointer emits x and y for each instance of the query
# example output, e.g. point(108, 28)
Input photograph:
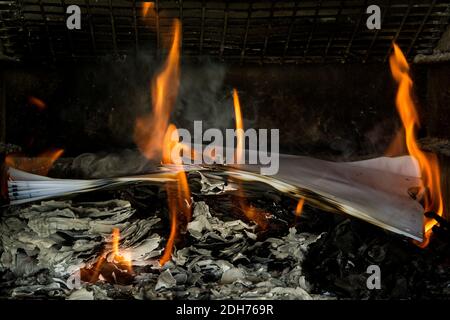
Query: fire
point(38, 165)
point(428, 163)
point(239, 128)
point(150, 129)
point(254, 214)
point(37, 103)
point(146, 7)
point(178, 193)
point(155, 136)
point(116, 256)
point(299, 208)
point(117, 268)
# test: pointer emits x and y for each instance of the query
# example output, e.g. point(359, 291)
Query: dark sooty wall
point(340, 110)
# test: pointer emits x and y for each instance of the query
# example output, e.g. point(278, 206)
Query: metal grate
point(235, 31)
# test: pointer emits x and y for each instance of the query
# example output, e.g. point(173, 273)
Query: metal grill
point(235, 31)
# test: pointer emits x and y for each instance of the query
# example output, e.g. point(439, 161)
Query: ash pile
point(45, 246)
point(65, 249)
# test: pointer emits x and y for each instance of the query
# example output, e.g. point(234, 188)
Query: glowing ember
point(253, 214)
point(38, 165)
point(116, 256)
point(428, 163)
point(115, 269)
point(37, 103)
point(150, 129)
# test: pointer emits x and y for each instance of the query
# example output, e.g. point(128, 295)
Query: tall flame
point(178, 194)
point(428, 163)
point(150, 129)
point(254, 214)
point(156, 137)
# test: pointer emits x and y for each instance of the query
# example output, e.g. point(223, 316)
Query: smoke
point(119, 92)
point(204, 96)
point(107, 165)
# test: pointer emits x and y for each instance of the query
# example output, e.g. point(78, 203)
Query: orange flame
point(428, 163)
point(146, 7)
point(37, 102)
point(155, 136)
point(299, 208)
point(116, 256)
point(239, 128)
point(178, 195)
point(253, 214)
point(150, 129)
point(38, 165)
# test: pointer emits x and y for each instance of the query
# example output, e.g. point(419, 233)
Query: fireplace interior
point(71, 102)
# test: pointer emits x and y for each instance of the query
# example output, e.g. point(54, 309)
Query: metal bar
point(355, 31)
point(408, 10)
point(180, 2)
point(331, 38)
point(69, 36)
point(136, 34)
point(224, 33)
point(375, 36)
point(91, 27)
point(2, 107)
point(24, 27)
point(244, 44)
point(268, 30)
point(113, 27)
point(47, 30)
point(430, 9)
point(158, 44)
point(202, 32)
point(291, 28)
point(316, 14)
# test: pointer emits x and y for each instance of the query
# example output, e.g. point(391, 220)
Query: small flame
point(150, 129)
point(116, 256)
point(146, 7)
point(299, 208)
point(102, 266)
point(253, 214)
point(40, 165)
point(428, 163)
point(38, 103)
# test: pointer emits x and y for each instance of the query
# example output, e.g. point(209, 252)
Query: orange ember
point(428, 163)
point(150, 129)
point(37, 103)
point(116, 269)
point(146, 7)
point(38, 165)
point(253, 214)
